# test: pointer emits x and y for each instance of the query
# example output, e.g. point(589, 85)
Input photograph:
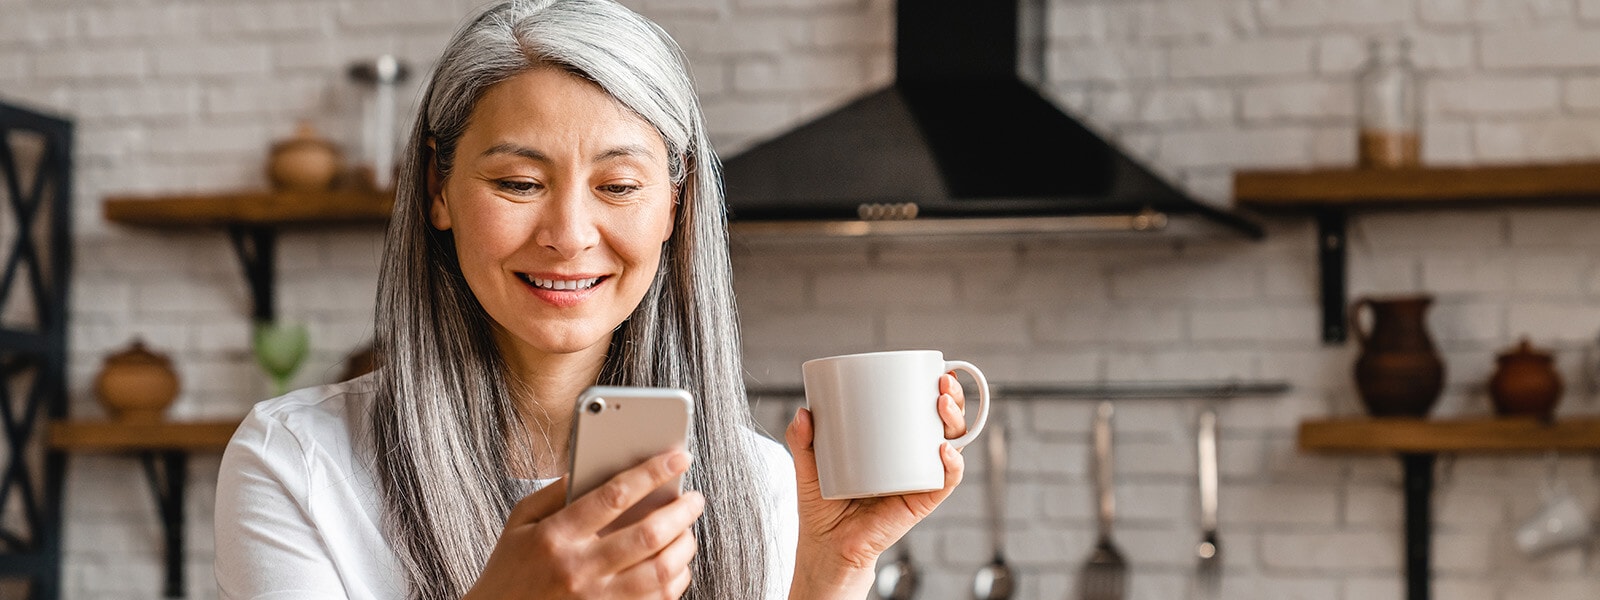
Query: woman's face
point(559, 201)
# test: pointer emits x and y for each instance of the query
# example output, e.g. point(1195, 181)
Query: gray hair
point(445, 425)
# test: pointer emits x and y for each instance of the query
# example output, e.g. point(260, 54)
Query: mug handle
point(983, 401)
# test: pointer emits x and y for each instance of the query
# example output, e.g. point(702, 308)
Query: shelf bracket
point(256, 247)
point(1331, 255)
point(1418, 469)
point(168, 473)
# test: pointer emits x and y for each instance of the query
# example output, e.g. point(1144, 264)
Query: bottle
point(1387, 107)
point(379, 79)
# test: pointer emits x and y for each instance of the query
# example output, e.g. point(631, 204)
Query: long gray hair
point(445, 424)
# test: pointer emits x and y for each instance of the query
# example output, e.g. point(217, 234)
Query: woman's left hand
point(840, 540)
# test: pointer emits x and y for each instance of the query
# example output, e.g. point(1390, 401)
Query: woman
point(559, 223)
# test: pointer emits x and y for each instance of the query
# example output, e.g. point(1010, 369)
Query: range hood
point(959, 143)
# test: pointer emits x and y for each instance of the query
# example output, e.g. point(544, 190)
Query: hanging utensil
point(897, 580)
point(1104, 576)
point(996, 580)
point(1209, 552)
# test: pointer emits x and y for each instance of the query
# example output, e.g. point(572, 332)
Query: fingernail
point(680, 461)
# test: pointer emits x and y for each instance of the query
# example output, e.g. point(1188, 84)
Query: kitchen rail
point(1153, 390)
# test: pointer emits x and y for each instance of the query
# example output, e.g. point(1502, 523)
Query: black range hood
point(958, 143)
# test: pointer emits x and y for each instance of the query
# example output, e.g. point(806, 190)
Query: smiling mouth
point(560, 285)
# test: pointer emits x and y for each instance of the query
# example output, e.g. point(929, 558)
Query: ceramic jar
point(305, 162)
point(1525, 383)
point(136, 385)
point(1398, 373)
point(361, 362)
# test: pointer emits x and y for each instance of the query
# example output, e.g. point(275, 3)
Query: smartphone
point(616, 428)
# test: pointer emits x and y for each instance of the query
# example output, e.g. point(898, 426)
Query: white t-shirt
point(299, 514)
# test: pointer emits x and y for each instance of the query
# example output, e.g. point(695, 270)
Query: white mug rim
point(883, 353)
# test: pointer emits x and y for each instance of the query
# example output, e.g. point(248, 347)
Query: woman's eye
point(619, 189)
point(517, 186)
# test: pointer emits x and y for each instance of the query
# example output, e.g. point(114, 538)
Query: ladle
point(996, 580)
point(897, 580)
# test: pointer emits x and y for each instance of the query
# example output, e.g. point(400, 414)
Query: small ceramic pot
point(1525, 383)
point(360, 363)
point(137, 385)
point(305, 162)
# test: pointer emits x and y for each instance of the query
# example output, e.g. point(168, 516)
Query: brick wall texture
point(186, 96)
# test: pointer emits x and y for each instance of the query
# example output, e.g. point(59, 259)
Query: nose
point(566, 223)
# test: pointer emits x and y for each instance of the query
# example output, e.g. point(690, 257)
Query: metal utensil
point(897, 580)
point(1209, 568)
point(996, 581)
point(1104, 576)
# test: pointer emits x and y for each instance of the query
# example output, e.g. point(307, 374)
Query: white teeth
point(561, 284)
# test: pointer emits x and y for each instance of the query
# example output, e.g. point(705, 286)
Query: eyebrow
point(531, 154)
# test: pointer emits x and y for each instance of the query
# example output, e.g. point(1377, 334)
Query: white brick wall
point(180, 95)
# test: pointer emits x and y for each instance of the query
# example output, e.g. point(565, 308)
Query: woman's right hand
point(551, 550)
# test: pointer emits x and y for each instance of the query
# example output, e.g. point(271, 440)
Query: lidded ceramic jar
point(1525, 383)
point(305, 162)
point(137, 385)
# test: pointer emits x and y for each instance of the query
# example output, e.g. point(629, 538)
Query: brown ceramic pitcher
point(1398, 373)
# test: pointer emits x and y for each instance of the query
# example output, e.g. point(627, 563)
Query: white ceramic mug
point(1560, 523)
point(876, 422)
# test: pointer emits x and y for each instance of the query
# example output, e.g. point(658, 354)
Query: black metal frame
point(39, 353)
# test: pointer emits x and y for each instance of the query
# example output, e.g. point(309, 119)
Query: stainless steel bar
point(1156, 390)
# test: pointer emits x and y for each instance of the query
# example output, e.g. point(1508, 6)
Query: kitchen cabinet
point(252, 220)
point(1330, 195)
point(1418, 442)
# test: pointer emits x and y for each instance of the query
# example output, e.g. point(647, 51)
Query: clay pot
point(1398, 373)
point(360, 363)
point(137, 385)
point(1525, 383)
point(305, 162)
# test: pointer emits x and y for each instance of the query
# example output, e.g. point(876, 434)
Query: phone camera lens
point(597, 406)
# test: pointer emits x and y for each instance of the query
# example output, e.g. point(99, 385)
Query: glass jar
point(1389, 118)
point(379, 79)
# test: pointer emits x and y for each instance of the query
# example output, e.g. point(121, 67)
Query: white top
point(299, 514)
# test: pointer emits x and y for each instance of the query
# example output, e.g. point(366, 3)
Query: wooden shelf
point(1418, 442)
point(1330, 194)
point(1482, 435)
point(252, 220)
point(110, 436)
point(259, 208)
point(1421, 187)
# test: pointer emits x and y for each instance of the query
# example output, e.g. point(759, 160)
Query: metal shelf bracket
point(1331, 256)
point(256, 247)
point(168, 473)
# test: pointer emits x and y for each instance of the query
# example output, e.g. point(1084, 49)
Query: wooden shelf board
point(251, 208)
point(1479, 435)
point(1420, 187)
point(111, 436)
